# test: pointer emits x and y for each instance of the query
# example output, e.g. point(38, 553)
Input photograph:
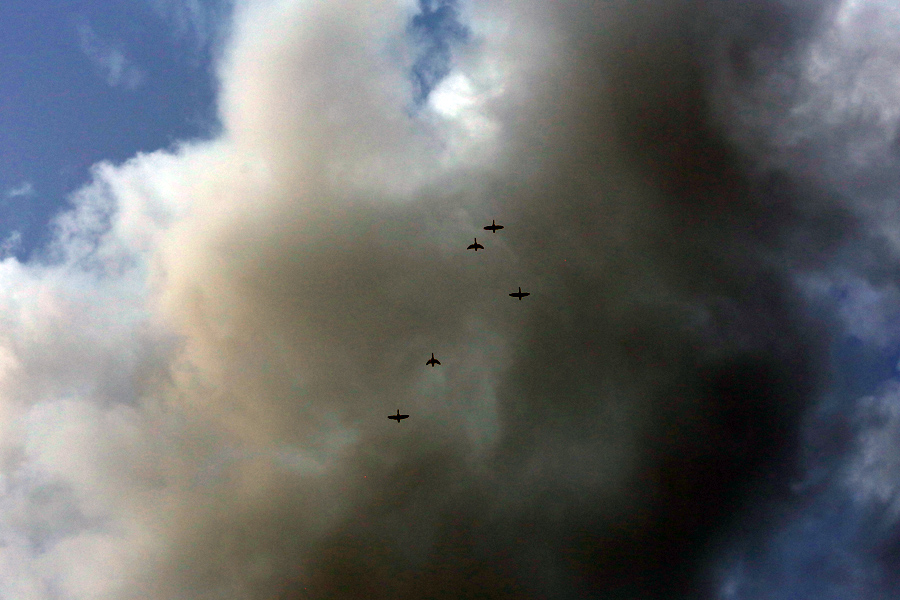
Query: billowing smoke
point(697, 195)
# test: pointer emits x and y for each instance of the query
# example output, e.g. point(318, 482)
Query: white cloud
point(205, 23)
point(23, 189)
point(843, 77)
point(10, 244)
point(825, 110)
point(872, 473)
point(110, 61)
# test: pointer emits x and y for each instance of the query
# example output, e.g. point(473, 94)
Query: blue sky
point(67, 104)
point(293, 186)
point(104, 81)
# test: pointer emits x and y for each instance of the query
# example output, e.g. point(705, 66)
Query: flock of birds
point(493, 227)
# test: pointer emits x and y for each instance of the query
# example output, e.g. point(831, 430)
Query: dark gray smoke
point(696, 195)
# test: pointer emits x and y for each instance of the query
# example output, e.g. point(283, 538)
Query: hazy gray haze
point(701, 198)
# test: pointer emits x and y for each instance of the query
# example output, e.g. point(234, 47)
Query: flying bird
point(475, 246)
point(520, 294)
point(493, 226)
point(433, 361)
point(398, 416)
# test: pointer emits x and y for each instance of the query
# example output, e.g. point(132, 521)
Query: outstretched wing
point(402, 417)
point(394, 417)
point(436, 361)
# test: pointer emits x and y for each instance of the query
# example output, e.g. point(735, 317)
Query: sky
point(93, 82)
point(232, 234)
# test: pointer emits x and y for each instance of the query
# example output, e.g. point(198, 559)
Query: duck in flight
point(493, 226)
point(398, 416)
point(433, 361)
point(475, 246)
point(520, 294)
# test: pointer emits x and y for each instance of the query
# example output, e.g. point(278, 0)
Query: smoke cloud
point(197, 374)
